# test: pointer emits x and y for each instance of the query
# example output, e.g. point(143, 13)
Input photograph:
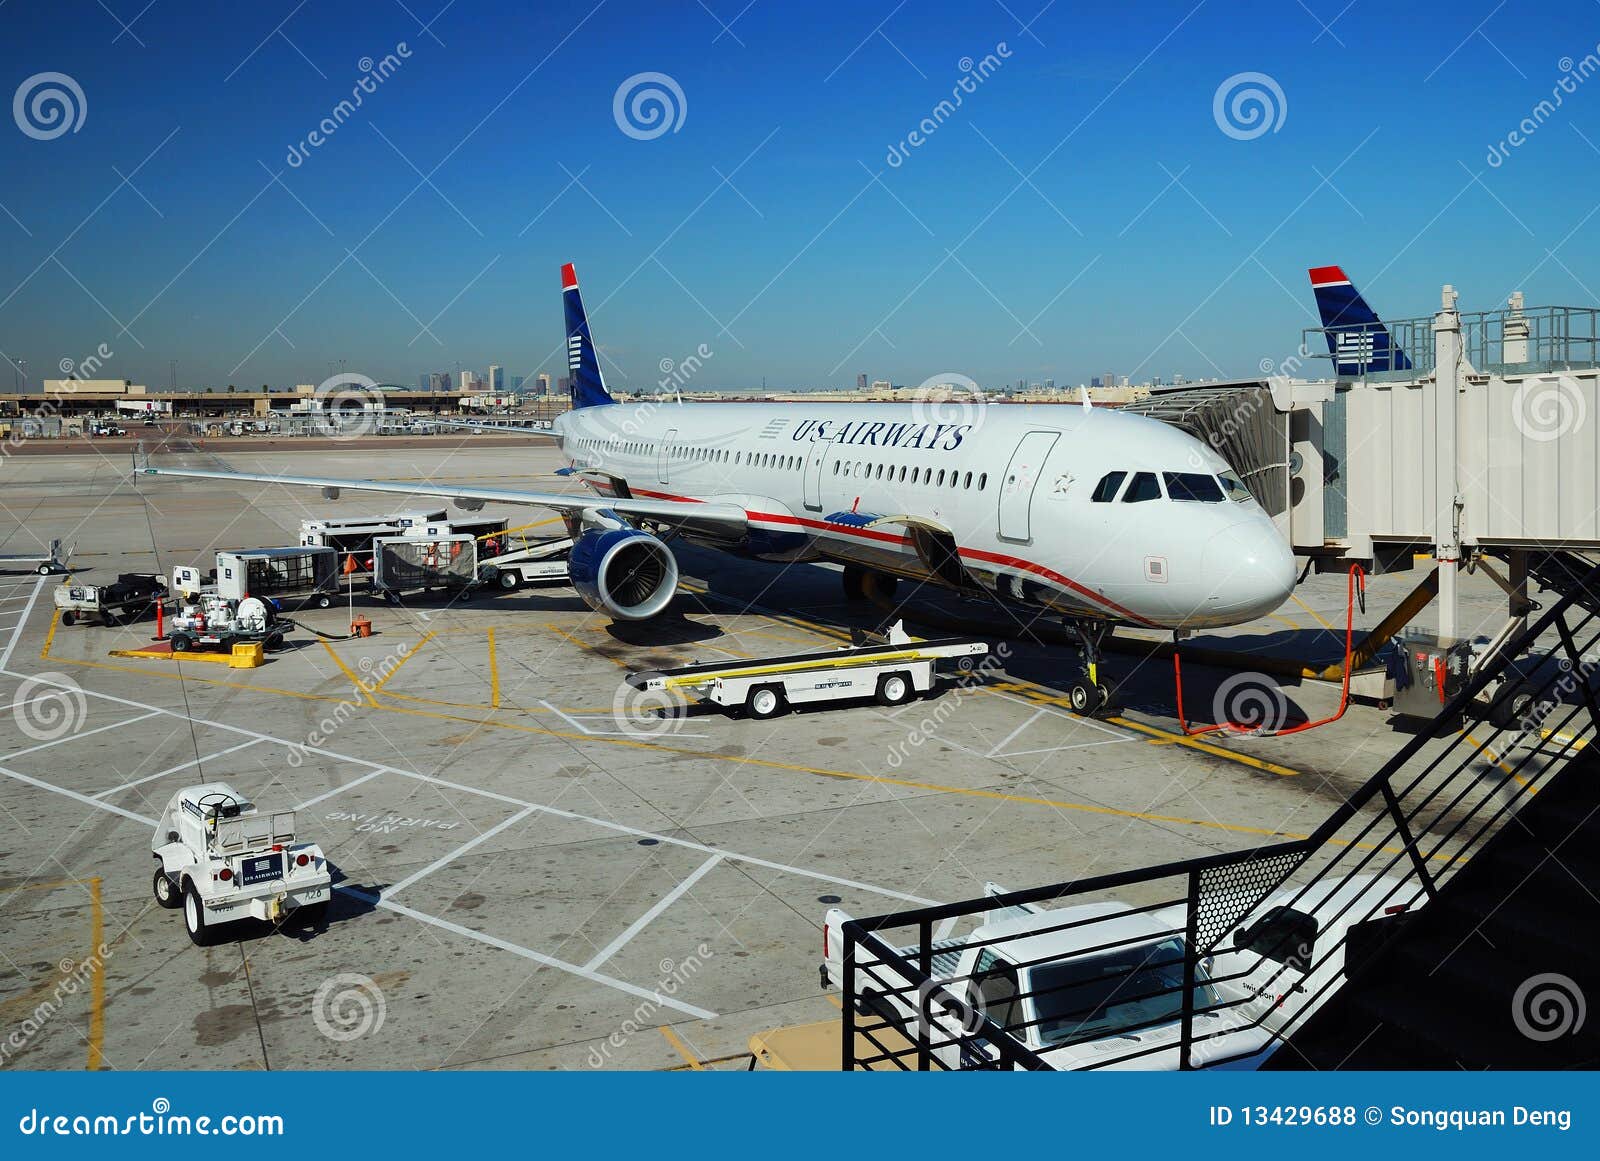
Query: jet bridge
point(1483, 453)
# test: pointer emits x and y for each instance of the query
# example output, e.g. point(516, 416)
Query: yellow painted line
point(1320, 619)
point(494, 675)
point(190, 677)
point(97, 979)
point(350, 673)
point(412, 652)
point(585, 646)
point(1166, 737)
point(44, 650)
point(1285, 620)
point(97, 984)
point(683, 1049)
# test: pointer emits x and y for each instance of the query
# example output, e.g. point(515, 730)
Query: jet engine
point(624, 572)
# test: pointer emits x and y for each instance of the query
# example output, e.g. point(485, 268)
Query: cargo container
point(302, 575)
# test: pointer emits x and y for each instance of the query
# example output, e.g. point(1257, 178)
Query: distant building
point(544, 383)
point(1049, 384)
point(497, 377)
point(1094, 381)
point(516, 383)
point(464, 380)
point(861, 381)
point(564, 385)
point(881, 385)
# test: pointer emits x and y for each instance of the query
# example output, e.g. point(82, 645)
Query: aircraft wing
point(481, 426)
point(723, 519)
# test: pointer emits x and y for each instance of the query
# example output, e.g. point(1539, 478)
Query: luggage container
point(415, 564)
point(355, 534)
point(303, 575)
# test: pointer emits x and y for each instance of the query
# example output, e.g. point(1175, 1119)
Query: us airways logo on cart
point(882, 433)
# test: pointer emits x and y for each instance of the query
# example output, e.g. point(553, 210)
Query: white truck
point(1100, 985)
point(222, 860)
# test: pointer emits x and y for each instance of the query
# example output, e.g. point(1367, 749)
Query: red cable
point(1358, 581)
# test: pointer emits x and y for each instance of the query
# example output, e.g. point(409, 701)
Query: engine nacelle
point(622, 571)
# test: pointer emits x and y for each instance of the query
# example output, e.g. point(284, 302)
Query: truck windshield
point(1132, 987)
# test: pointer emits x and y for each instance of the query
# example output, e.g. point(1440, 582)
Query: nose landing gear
point(1089, 695)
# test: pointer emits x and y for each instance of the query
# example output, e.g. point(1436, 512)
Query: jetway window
point(1106, 490)
point(1144, 487)
point(1193, 486)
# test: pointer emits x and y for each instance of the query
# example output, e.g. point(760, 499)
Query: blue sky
point(770, 226)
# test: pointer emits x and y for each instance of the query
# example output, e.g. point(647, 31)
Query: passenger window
point(983, 480)
point(1106, 490)
point(1193, 486)
point(1144, 487)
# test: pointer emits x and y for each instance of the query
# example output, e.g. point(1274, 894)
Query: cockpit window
point(1234, 487)
point(1193, 486)
point(1144, 487)
point(1106, 490)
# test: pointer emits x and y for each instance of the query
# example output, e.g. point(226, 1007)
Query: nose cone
point(1250, 570)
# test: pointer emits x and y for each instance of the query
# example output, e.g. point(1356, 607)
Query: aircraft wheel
point(855, 583)
point(1104, 695)
point(1085, 698)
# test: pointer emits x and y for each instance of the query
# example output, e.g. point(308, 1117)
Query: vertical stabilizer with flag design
point(583, 362)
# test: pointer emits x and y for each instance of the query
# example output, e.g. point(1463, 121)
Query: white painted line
point(75, 737)
point(579, 726)
point(391, 892)
point(173, 770)
point(1061, 713)
point(16, 635)
point(661, 905)
point(623, 828)
point(536, 957)
point(1001, 744)
point(1061, 748)
point(323, 797)
point(6, 600)
point(76, 797)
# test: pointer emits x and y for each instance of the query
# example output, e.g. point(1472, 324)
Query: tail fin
point(583, 363)
point(1357, 339)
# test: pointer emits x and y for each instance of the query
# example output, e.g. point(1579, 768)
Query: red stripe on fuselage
point(984, 555)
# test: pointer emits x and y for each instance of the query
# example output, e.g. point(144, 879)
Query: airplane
point(1357, 339)
point(1091, 515)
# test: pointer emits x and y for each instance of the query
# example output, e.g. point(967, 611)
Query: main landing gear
point(1088, 694)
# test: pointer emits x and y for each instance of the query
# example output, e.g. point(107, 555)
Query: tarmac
point(532, 872)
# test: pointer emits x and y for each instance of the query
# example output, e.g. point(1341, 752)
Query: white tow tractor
point(893, 671)
point(222, 860)
point(213, 620)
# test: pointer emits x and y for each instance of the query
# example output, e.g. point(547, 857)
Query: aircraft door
point(815, 458)
point(664, 454)
point(1017, 485)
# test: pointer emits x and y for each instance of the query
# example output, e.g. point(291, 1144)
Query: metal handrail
point(1435, 836)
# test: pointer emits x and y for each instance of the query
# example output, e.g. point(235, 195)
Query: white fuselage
point(1021, 493)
